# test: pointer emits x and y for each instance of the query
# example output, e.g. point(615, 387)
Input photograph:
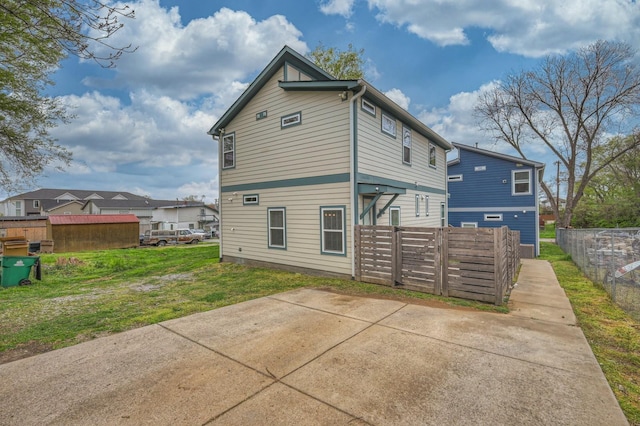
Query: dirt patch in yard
point(25, 350)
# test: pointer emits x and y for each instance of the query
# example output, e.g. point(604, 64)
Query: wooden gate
point(469, 263)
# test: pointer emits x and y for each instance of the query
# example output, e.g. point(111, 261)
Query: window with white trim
point(454, 178)
point(18, 208)
point(333, 230)
point(426, 205)
point(250, 199)
point(417, 205)
point(521, 182)
point(388, 125)
point(277, 223)
point(229, 151)
point(468, 224)
point(406, 145)
point(432, 155)
point(394, 216)
point(368, 107)
point(36, 204)
point(291, 120)
point(491, 217)
point(443, 218)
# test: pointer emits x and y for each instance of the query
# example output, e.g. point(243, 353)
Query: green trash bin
point(17, 269)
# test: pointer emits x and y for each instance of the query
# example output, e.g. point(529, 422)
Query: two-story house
point(489, 189)
point(304, 157)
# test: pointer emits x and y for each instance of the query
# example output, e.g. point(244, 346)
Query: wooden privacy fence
point(469, 263)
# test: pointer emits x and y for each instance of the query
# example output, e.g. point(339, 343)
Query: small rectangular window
point(291, 120)
point(468, 224)
point(406, 145)
point(36, 204)
point(426, 205)
point(250, 199)
point(388, 125)
point(432, 155)
point(493, 217)
point(417, 205)
point(18, 208)
point(454, 178)
point(229, 151)
point(394, 216)
point(333, 230)
point(521, 182)
point(277, 222)
point(443, 217)
point(368, 107)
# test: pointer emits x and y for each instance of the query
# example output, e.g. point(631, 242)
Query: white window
point(388, 125)
point(277, 222)
point(406, 145)
point(394, 216)
point(368, 107)
point(493, 217)
point(333, 230)
point(36, 204)
point(291, 120)
point(250, 199)
point(18, 208)
point(417, 205)
point(426, 205)
point(454, 178)
point(521, 182)
point(229, 151)
point(468, 224)
point(432, 155)
point(443, 218)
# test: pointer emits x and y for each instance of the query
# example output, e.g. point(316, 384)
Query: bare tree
point(35, 36)
point(572, 105)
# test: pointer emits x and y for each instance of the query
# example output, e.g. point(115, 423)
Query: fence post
point(396, 256)
point(357, 253)
point(497, 251)
point(444, 263)
point(612, 267)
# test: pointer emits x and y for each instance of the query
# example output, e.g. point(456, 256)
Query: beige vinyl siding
point(266, 152)
point(381, 155)
point(407, 205)
point(245, 226)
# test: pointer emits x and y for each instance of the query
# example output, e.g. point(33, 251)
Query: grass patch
point(613, 335)
point(549, 231)
point(92, 294)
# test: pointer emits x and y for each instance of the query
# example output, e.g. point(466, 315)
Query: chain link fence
point(610, 257)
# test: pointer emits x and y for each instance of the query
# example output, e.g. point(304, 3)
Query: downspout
point(352, 174)
point(219, 192)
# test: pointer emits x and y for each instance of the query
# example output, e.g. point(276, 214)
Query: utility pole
point(558, 190)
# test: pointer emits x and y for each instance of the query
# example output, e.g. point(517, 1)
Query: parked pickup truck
point(175, 236)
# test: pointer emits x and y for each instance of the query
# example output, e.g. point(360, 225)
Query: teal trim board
point(286, 183)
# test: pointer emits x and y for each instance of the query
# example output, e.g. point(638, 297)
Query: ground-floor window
point(277, 222)
point(333, 230)
point(394, 216)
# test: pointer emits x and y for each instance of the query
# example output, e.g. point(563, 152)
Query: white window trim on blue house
point(515, 182)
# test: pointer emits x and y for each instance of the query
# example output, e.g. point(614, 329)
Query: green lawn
point(614, 336)
point(549, 231)
point(91, 294)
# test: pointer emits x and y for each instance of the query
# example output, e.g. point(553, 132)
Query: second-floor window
point(521, 182)
point(229, 151)
point(36, 204)
point(18, 208)
point(432, 155)
point(406, 145)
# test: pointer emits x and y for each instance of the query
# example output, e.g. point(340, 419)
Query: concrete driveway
point(315, 357)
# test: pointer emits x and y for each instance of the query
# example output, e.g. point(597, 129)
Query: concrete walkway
point(314, 357)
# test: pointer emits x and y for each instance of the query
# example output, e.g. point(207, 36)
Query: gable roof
point(322, 81)
point(48, 205)
point(77, 194)
point(493, 154)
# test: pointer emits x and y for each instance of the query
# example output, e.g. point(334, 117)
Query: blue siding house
point(488, 189)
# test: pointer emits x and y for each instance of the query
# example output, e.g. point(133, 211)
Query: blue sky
point(141, 127)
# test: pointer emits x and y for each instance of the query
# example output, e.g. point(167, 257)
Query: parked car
point(200, 232)
point(175, 236)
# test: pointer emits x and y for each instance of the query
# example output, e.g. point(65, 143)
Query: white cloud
point(337, 7)
point(527, 27)
point(398, 97)
point(203, 57)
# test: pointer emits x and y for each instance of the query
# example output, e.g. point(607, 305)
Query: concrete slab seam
point(482, 350)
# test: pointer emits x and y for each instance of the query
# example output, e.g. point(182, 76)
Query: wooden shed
point(31, 228)
point(93, 232)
